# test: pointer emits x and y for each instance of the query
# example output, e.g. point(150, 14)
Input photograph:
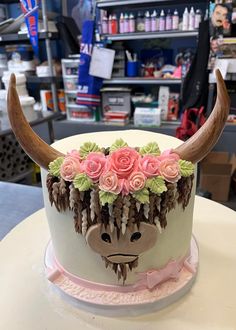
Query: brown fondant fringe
point(64, 196)
point(121, 269)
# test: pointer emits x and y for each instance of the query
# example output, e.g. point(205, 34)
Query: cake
point(120, 210)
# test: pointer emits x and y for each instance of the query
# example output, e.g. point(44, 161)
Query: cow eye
point(106, 238)
point(135, 236)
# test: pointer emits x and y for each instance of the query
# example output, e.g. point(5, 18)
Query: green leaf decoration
point(54, 167)
point(156, 185)
point(186, 168)
point(82, 182)
point(150, 149)
point(142, 196)
point(118, 144)
point(107, 197)
point(88, 147)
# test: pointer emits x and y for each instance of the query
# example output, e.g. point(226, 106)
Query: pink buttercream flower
point(137, 181)
point(93, 165)
point(168, 154)
point(125, 189)
point(123, 162)
point(149, 165)
point(69, 168)
point(109, 182)
point(74, 154)
point(170, 170)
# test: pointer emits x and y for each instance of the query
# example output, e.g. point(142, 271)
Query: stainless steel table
point(16, 203)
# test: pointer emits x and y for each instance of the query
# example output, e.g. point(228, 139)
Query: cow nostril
point(106, 238)
point(135, 236)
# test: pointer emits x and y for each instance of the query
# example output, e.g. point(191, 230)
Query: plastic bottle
point(114, 25)
point(185, 20)
point(104, 25)
point(198, 18)
point(175, 20)
point(154, 21)
point(121, 23)
point(140, 24)
point(158, 21)
point(109, 24)
point(191, 22)
point(126, 23)
point(162, 21)
point(168, 21)
point(147, 22)
point(131, 23)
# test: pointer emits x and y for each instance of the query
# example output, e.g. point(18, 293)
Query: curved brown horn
point(201, 143)
point(32, 144)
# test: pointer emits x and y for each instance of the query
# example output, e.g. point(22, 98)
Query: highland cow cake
point(120, 210)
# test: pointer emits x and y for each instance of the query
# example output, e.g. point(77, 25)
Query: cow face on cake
point(119, 196)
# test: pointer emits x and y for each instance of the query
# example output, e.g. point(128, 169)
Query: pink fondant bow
point(154, 277)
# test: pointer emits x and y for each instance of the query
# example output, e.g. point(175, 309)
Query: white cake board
point(126, 303)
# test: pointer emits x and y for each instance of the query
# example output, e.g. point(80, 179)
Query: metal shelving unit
point(150, 35)
point(104, 4)
point(142, 81)
point(46, 36)
point(19, 37)
point(43, 80)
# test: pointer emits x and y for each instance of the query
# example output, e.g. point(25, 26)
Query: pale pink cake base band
point(151, 286)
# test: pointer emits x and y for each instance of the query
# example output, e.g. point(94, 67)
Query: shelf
point(68, 76)
point(116, 3)
point(71, 92)
point(18, 37)
point(150, 35)
point(141, 81)
point(7, 2)
point(43, 80)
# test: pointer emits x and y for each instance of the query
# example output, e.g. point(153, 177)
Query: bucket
point(20, 82)
point(20, 58)
point(3, 100)
point(27, 104)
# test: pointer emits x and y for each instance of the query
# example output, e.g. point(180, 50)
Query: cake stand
point(29, 301)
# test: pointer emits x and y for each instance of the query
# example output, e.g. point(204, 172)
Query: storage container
point(80, 113)
point(147, 117)
point(116, 99)
point(70, 84)
point(20, 58)
point(20, 82)
point(3, 100)
point(27, 104)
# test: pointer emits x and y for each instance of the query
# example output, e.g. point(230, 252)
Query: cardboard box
point(215, 174)
point(147, 117)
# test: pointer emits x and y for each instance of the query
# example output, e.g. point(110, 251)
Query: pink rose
point(74, 154)
point(109, 182)
point(149, 165)
point(94, 164)
point(69, 168)
point(167, 154)
point(169, 169)
point(123, 162)
point(137, 181)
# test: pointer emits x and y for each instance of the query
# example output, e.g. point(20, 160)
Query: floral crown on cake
point(121, 169)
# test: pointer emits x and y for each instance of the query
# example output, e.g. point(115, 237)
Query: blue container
point(132, 69)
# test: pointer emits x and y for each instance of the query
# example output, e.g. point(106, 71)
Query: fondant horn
point(199, 145)
point(32, 144)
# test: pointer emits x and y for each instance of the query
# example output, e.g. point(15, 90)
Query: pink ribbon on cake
point(146, 280)
point(152, 278)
